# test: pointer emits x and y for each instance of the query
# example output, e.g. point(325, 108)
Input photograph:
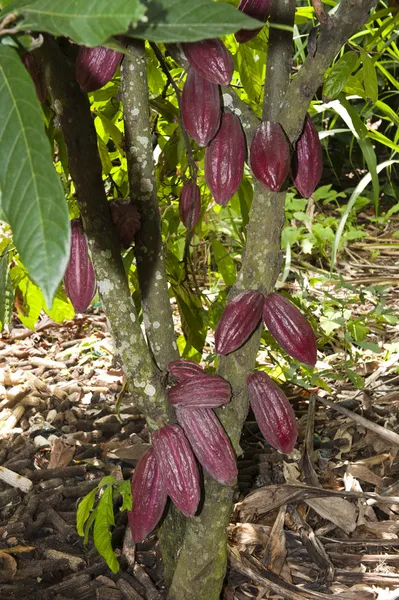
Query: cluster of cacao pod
point(169, 467)
point(79, 278)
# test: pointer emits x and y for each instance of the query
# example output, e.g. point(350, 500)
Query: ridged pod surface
point(190, 204)
point(209, 442)
point(273, 412)
point(224, 159)
point(126, 218)
point(79, 278)
point(307, 160)
point(290, 329)
point(178, 468)
point(270, 155)
point(200, 391)
point(182, 369)
point(35, 72)
point(200, 107)
point(258, 9)
point(95, 67)
point(238, 321)
point(211, 59)
point(149, 497)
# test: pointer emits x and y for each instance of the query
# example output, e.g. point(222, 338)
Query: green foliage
point(31, 195)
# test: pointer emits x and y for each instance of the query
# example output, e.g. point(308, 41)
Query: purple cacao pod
point(95, 67)
point(182, 370)
point(238, 321)
point(307, 160)
point(209, 442)
point(224, 159)
point(290, 329)
point(79, 278)
point(37, 76)
point(190, 205)
point(211, 59)
point(200, 107)
point(270, 155)
point(273, 412)
point(200, 391)
point(258, 9)
point(126, 218)
point(178, 468)
point(149, 497)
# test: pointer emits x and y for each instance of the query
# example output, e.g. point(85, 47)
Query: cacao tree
point(75, 92)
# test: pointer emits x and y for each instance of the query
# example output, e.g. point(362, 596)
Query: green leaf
point(247, 69)
point(104, 156)
point(88, 525)
point(89, 22)
point(125, 489)
point(31, 195)
point(338, 75)
point(85, 507)
point(370, 78)
point(191, 20)
point(6, 291)
point(101, 533)
point(225, 263)
point(192, 322)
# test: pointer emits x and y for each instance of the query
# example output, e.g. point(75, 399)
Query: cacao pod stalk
point(211, 59)
point(258, 9)
point(182, 369)
point(200, 107)
point(95, 67)
point(270, 155)
point(200, 391)
point(79, 278)
point(238, 321)
point(224, 159)
point(126, 218)
point(190, 205)
point(178, 468)
point(149, 497)
point(290, 329)
point(307, 160)
point(209, 442)
point(273, 412)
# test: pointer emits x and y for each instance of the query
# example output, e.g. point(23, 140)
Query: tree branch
point(149, 251)
point(73, 114)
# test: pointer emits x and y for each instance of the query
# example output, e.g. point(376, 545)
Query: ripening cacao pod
point(126, 218)
point(182, 369)
point(34, 70)
point(209, 442)
point(79, 278)
point(200, 391)
point(307, 160)
point(200, 107)
point(290, 329)
point(258, 9)
point(95, 67)
point(211, 59)
point(178, 468)
point(273, 412)
point(224, 159)
point(149, 497)
point(190, 205)
point(270, 155)
point(238, 321)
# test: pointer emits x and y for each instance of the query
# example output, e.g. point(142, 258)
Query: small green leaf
point(370, 78)
point(225, 263)
point(191, 20)
point(85, 507)
point(125, 490)
point(6, 291)
point(88, 23)
point(357, 381)
point(101, 532)
point(338, 75)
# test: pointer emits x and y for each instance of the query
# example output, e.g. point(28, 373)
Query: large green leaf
point(191, 20)
point(31, 196)
point(88, 22)
point(338, 75)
